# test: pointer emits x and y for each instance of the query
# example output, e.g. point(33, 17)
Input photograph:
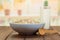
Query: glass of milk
point(45, 15)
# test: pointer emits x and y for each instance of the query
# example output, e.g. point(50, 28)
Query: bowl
point(26, 29)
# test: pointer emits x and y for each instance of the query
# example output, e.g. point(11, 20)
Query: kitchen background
point(10, 9)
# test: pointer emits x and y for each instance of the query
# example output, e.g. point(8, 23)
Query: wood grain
point(15, 36)
point(52, 37)
point(4, 32)
point(34, 38)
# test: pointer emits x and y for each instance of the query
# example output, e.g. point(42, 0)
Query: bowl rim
point(27, 23)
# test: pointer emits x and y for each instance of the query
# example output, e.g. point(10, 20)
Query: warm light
point(19, 1)
point(1, 7)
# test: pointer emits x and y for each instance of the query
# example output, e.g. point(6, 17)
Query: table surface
point(6, 33)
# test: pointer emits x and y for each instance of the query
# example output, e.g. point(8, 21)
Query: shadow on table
point(23, 36)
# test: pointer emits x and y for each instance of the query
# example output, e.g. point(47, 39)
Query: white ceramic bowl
point(26, 29)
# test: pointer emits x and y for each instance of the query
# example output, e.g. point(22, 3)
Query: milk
point(45, 16)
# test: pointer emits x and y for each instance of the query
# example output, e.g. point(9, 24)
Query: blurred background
point(13, 9)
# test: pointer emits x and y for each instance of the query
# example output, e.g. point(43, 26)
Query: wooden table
point(6, 33)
